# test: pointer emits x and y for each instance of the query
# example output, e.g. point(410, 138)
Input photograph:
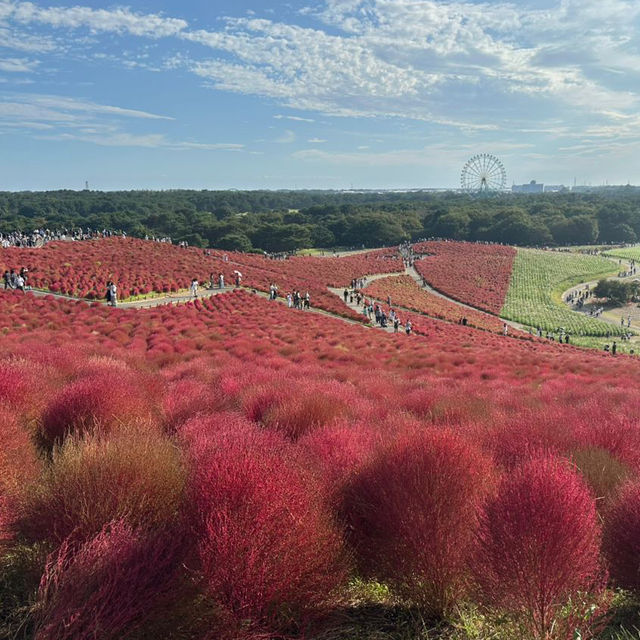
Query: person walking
point(194, 287)
point(407, 327)
point(113, 300)
point(221, 281)
point(20, 283)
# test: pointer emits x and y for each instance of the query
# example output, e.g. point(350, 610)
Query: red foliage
point(93, 480)
point(405, 292)
point(140, 267)
point(540, 545)
point(19, 466)
point(97, 403)
point(269, 554)
point(413, 512)
point(477, 274)
point(112, 584)
point(622, 537)
point(340, 450)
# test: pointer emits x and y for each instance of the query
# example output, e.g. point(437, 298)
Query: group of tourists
point(406, 253)
point(562, 335)
point(296, 300)
point(40, 237)
point(16, 280)
point(375, 311)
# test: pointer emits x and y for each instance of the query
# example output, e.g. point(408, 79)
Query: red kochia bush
point(622, 537)
point(110, 585)
point(539, 546)
point(92, 480)
point(413, 514)
point(97, 403)
point(269, 554)
point(19, 465)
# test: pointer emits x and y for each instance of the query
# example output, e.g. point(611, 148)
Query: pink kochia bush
point(622, 537)
point(96, 404)
point(92, 480)
point(112, 584)
point(413, 513)
point(269, 554)
point(539, 551)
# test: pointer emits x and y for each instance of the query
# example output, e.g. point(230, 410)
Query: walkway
point(411, 271)
point(613, 315)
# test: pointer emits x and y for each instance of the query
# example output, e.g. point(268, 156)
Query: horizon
point(342, 95)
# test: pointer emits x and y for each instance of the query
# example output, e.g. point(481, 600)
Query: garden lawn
point(537, 282)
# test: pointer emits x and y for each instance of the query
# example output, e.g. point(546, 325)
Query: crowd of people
point(40, 237)
point(16, 279)
point(373, 310)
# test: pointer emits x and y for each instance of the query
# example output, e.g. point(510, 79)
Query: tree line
point(289, 220)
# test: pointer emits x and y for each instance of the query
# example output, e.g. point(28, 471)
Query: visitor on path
point(238, 278)
point(289, 300)
point(614, 348)
point(407, 327)
point(221, 281)
point(194, 288)
point(345, 295)
point(307, 301)
point(396, 324)
point(7, 279)
point(505, 329)
point(113, 297)
point(20, 283)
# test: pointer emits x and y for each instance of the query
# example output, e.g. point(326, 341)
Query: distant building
point(555, 188)
point(532, 187)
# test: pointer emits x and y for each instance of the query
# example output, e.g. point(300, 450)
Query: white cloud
point(18, 65)
point(118, 20)
point(295, 118)
point(475, 67)
point(286, 138)
point(316, 140)
point(19, 40)
point(69, 119)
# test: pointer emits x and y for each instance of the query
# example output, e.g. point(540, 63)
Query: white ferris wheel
point(482, 173)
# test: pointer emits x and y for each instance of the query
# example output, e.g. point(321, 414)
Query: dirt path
point(184, 296)
point(177, 297)
point(411, 271)
point(614, 315)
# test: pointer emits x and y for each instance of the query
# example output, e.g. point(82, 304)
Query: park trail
point(184, 296)
point(613, 315)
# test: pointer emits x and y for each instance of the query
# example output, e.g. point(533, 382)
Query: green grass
point(629, 253)
point(535, 292)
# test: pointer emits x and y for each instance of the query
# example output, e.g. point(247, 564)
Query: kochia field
point(232, 468)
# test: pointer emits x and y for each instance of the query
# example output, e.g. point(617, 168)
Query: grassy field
point(629, 253)
point(537, 283)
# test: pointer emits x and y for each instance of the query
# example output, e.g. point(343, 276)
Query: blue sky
point(328, 94)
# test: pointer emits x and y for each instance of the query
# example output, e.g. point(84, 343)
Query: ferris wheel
point(483, 172)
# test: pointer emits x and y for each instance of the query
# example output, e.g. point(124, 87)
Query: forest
point(290, 220)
